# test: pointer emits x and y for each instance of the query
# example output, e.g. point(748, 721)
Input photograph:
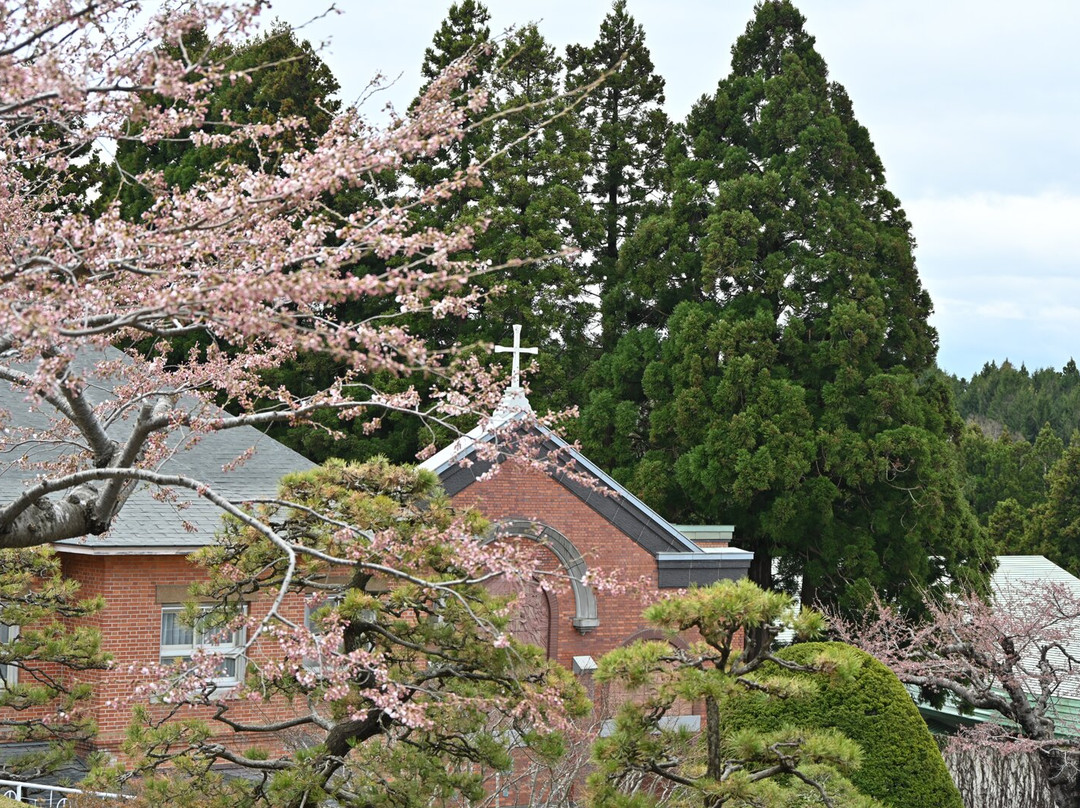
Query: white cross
point(517, 351)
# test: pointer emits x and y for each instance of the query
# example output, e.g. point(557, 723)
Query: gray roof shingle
point(155, 523)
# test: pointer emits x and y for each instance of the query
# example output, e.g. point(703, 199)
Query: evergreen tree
point(1053, 526)
point(629, 126)
point(531, 203)
point(534, 197)
point(48, 643)
point(725, 764)
point(464, 31)
point(793, 391)
point(1006, 468)
point(277, 77)
point(402, 690)
point(1006, 397)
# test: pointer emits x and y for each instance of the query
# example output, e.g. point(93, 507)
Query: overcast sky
point(974, 107)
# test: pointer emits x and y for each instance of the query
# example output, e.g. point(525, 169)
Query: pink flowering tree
point(254, 260)
point(1015, 654)
point(388, 679)
point(251, 257)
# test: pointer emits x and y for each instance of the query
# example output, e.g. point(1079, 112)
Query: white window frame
point(10, 673)
point(233, 649)
point(334, 599)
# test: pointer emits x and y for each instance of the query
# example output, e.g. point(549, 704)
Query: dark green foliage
point(724, 764)
point(533, 194)
point(464, 31)
point(1053, 526)
point(901, 763)
point(1004, 396)
point(629, 129)
point(278, 77)
point(1007, 468)
point(535, 149)
point(792, 388)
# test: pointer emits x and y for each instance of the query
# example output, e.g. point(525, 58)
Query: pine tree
point(629, 126)
point(48, 644)
point(723, 764)
point(792, 392)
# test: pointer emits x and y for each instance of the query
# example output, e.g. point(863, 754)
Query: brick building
point(572, 522)
point(577, 521)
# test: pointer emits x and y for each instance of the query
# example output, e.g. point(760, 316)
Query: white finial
point(517, 351)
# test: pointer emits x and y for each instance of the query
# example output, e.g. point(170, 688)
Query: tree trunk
point(759, 639)
point(988, 779)
point(715, 763)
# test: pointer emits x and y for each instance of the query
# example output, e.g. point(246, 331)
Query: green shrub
point(901, 767)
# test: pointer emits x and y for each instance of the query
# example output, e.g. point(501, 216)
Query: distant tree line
point(1005, 397)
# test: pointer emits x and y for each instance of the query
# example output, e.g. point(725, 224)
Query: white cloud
point(1040, 227)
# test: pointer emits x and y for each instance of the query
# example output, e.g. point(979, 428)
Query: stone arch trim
point(675, 641)
point(585, 614)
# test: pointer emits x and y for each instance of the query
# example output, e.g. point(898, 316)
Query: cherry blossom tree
point(253, 258)
point(1014, 654)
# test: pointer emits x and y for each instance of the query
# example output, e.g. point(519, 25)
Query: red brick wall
point(130, 625)
point(519, 492)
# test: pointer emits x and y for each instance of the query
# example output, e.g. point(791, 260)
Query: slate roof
point(681, 562)
point(148, 524)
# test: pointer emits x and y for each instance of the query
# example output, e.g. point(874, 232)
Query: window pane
point(173, 632)
point(227, 669)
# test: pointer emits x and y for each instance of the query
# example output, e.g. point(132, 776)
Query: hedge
point(902, 766)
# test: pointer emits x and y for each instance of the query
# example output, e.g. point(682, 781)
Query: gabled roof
point(147, 524)
point(681, 562)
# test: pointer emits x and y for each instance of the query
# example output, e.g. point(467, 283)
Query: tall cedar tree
point(535, 198)
point(532, 200)
point(464, 31)
point(629, 126)
point(278, 77)
point(789, 385)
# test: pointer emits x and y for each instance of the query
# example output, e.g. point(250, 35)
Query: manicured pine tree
point(792, 390)
point(629, 129)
